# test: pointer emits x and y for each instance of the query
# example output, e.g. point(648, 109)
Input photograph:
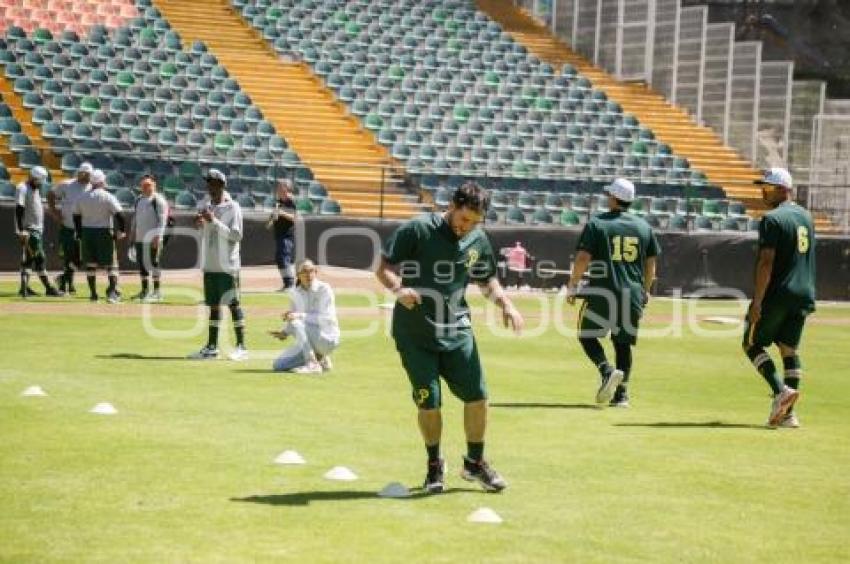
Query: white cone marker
point(34, 391)
point(394, 490)
point(289, 457)
point(484, 515)
point(340, 473)
point(104, 409)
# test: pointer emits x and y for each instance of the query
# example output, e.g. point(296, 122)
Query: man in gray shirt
point(66, 193)
point(220, 220)
point(146, 234)
point(94, 214)
point(29, 226)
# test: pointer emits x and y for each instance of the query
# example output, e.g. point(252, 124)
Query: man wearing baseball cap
point(618, 250)
point(784, 292)
point(96, 215)
point(220, 220)
point(66, 193)
point(29, 226)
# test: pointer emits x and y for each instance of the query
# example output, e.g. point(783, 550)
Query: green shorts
point(69, 246)
point(595, 320)
point(460, 368)
point(221, 288)
point(98, 247)
point(779, 323)
point(34, 248)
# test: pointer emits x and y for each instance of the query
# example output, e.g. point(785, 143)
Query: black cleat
point(60, 282)
point(481, 472)
point(435, 478)
point(28, 292)
point(72, 290)
point(53, 292)
point(621, 397)
point(93, 298)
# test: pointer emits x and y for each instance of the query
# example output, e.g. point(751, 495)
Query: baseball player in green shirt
point(427, 263)
point(784, 293)
point(618, 251)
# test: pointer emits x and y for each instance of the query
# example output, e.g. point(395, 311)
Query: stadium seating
point(133, 100)
point(448, 92)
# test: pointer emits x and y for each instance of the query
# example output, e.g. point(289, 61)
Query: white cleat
point(239, 354)
point(790, 421)
point(781, 405)
point(309, 368)
point(326, 364)
point(206, 353)
point(608, 386)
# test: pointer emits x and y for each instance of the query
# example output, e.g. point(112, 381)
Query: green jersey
point(619, 244)
point(434, 262)
point(789, 230)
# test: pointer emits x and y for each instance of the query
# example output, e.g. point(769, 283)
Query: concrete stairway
point(24, 117)
point(671, 124)
point(342, 155)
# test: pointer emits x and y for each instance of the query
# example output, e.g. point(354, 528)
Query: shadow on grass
point(268, 371)
point(136, 356)
point(538, 405)
point(305, 498)
point(693, 425)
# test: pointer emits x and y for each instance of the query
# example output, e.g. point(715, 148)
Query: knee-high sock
point(238, 324)
point(91, 278)
point(624, 360)
point(793, 371)
point(763, 363)
point(594, 351)
point(215, 324)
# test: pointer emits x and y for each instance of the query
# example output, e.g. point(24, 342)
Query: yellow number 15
point(625, 249)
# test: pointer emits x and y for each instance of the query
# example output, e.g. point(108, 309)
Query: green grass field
point(184, 471)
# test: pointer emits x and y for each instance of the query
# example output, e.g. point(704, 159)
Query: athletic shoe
point(790, 421)
point(141, 296)
point(781, 405)
point(326, 364)
point(435, 478)
point(113, 297)
point(309, 368)
point(479, 471)
point(53, 292)
point(154, 297)
point(93, 297)
point(621, 398)
point(28, 292)
point(72, 290)
point(240, 353)
point(59, 282)
point(206, 353)
point(608, 385)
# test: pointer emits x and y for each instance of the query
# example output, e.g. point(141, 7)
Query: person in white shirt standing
point(65, 194)
point(29, 226)
point(99, 223)
point(312, 322)
point(220, 220)
point(147, 233)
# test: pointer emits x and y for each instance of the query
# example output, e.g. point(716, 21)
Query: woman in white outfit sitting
point(311, 322)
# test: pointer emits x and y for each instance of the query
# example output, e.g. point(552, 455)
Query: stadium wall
point(690, 262)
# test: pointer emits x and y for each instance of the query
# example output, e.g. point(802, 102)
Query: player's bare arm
point(649, 267)
point(580, 265)
point(494, 292)
point(764, 268)
point(389, 278)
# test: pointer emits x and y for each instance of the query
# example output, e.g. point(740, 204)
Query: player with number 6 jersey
point(618, 251)
point(784, 293)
